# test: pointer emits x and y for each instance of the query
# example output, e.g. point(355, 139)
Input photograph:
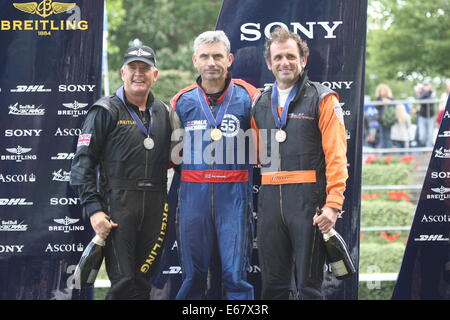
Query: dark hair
point(282, 35)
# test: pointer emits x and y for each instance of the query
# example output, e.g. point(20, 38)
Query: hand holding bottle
point(326, 220)
point(102, 224)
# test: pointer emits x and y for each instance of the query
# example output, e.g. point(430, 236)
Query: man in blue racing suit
point(215, 196)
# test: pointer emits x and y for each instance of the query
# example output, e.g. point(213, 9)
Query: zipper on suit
point(281, 193)
point(213, 215)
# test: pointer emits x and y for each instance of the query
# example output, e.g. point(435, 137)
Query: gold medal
point(280, 136)
point(216, 134)
point(149, 143)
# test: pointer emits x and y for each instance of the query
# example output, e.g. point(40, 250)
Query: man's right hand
point(102, 224)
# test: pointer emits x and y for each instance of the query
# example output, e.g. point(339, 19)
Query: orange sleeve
point(334, 144)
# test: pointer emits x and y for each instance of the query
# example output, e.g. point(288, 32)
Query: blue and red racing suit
point(215, 197)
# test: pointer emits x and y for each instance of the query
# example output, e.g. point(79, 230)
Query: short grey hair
point(212, 37)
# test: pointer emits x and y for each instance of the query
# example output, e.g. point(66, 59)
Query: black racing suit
point(310, 172)
point(114, 173)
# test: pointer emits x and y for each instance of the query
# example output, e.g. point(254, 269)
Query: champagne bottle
point(338, 255)
point(90, 262)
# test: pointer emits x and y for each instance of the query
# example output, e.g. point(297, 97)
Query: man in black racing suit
point(120, 174)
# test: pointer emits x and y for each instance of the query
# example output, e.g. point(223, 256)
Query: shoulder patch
point(339, 113)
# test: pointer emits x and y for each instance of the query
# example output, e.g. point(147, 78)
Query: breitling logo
point(43, 22)
point(45, 8)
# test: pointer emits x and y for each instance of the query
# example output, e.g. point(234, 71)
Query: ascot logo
point(26, 110)
point(8, 178)
point(251, 31)
point(64, 247)
point(45, 9)
point(74, 112)
point(65, 132)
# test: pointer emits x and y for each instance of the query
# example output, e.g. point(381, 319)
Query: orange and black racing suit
point(308, 170)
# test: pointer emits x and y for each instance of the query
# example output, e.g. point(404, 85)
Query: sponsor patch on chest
point(300, 115)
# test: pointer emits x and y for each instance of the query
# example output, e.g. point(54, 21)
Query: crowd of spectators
point(389, 123)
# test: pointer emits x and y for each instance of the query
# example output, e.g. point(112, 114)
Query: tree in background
point(169, 27)
point(408, 40)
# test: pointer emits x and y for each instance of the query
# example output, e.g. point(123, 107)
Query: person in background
point(400, 131)
point(444, 97)
point(383, 93)
point(426, 115)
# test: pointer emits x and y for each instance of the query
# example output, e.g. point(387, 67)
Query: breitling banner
point(425, 270)
point(50, 72)
point(335, 32)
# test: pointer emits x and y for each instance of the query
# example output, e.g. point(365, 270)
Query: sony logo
point(23, 132)
point(441, 175)
point(9, 248)
point(76, 88)
point(64, 201)
point(251, 31)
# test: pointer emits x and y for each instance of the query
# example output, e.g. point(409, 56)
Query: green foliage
point(170, 82)
point(161, 24)
point(406, 41)
point(377, 258)
point(377, 174)
point(376, 213)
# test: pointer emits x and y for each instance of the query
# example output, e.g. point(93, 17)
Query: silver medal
point(280, 136)
point(149, 143)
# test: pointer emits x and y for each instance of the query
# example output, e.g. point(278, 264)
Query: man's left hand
point(326, 220)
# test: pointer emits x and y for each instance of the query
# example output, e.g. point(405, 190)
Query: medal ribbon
point(222, 110)
point(281, 123)
point(144, 130)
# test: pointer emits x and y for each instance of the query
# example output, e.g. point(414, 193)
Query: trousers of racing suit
point(131, 188)
point(215, 196)
point(291, 250)
point(136, 244)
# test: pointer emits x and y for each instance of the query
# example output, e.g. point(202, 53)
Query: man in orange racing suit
point(306, 145)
